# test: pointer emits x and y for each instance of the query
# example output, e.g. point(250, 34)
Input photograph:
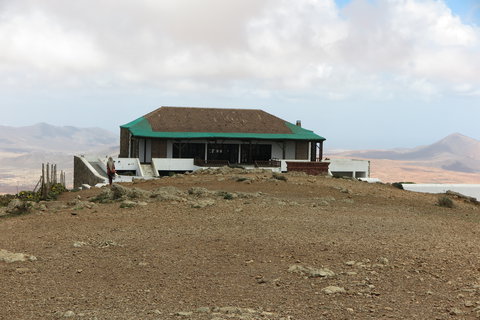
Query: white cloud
point(380, 48)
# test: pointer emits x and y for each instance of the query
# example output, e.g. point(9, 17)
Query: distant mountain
point(24, 149)
point(47, 137)
point(455, 152)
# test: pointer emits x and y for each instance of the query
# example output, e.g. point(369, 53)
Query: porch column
point(309, 150)
point(239, 152)
point(206, 150)
point(320, 155)
point(313, 151)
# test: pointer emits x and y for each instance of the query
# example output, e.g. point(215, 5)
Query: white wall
point(357, 168)
point(471, 190)
point(131, 164)
point(165, 164)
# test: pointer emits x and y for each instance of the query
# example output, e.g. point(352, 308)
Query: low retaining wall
point(312, 168)
point(82, 174)
point(471, 190)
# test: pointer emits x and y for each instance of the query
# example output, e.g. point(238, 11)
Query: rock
point(199, 192)
point(10, 257)
point(383, 260)
point(128, 204)
point(333, 290)
point(311, 272)
point(108, 243)
point(350, 310)
point(79, 244)
point(184, 313)
point(350, 263)
point(203, 309)
point(464, 197)
point(226, 195)
point(234, 310)
point(279, 176)
point(455, 312)
point(69, 314)
point(168, 194)
point(17, 206)
point(202, 203)
point(79, 205)
point(468, 304)
point(40, 206)
point(241, 179)
point(24, 270)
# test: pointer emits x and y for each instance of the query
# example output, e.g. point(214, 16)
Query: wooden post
point(48, 180)
point(43, 187)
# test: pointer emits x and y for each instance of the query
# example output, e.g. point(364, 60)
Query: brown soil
point(396, 254)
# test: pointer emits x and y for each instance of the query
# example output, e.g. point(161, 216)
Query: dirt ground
point(261, 248)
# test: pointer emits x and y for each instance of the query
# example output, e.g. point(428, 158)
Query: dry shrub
point(445, 202)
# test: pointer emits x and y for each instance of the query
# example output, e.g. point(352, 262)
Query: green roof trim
point(142, 128)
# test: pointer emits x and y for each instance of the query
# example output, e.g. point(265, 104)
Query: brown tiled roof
point(186, 119)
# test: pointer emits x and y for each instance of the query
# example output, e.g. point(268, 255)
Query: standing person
point(110, 170)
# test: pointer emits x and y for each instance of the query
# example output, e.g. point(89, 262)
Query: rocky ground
point(234, 245)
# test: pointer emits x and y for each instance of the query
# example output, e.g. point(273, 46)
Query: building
point(178, 139)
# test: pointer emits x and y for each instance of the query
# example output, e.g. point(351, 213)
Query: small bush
point(236, 166)
point(279, 176)
point(397, 185)
point(228, 196)
point(28, 196)
point(445, 202)
point(5, 199)
point(56, 190)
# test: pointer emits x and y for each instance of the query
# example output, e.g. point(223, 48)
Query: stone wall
point(312, 168)
point(82, 174)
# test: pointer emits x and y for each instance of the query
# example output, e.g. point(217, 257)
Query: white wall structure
point(168, 164)
point(471, 190)
point(127, 164)
point(349, 168)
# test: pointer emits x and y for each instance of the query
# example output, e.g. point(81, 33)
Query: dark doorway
point(189, 150)
point(218, 151)
point(256, 152)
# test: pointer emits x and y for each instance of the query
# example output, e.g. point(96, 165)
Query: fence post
point(43, 186)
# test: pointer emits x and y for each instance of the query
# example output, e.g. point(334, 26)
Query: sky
point(361, 73)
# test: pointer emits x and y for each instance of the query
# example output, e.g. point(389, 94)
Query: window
point(220, 151)
point(189, 150)
point(256, 152)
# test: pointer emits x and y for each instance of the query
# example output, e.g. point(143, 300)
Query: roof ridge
point(210, 108)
